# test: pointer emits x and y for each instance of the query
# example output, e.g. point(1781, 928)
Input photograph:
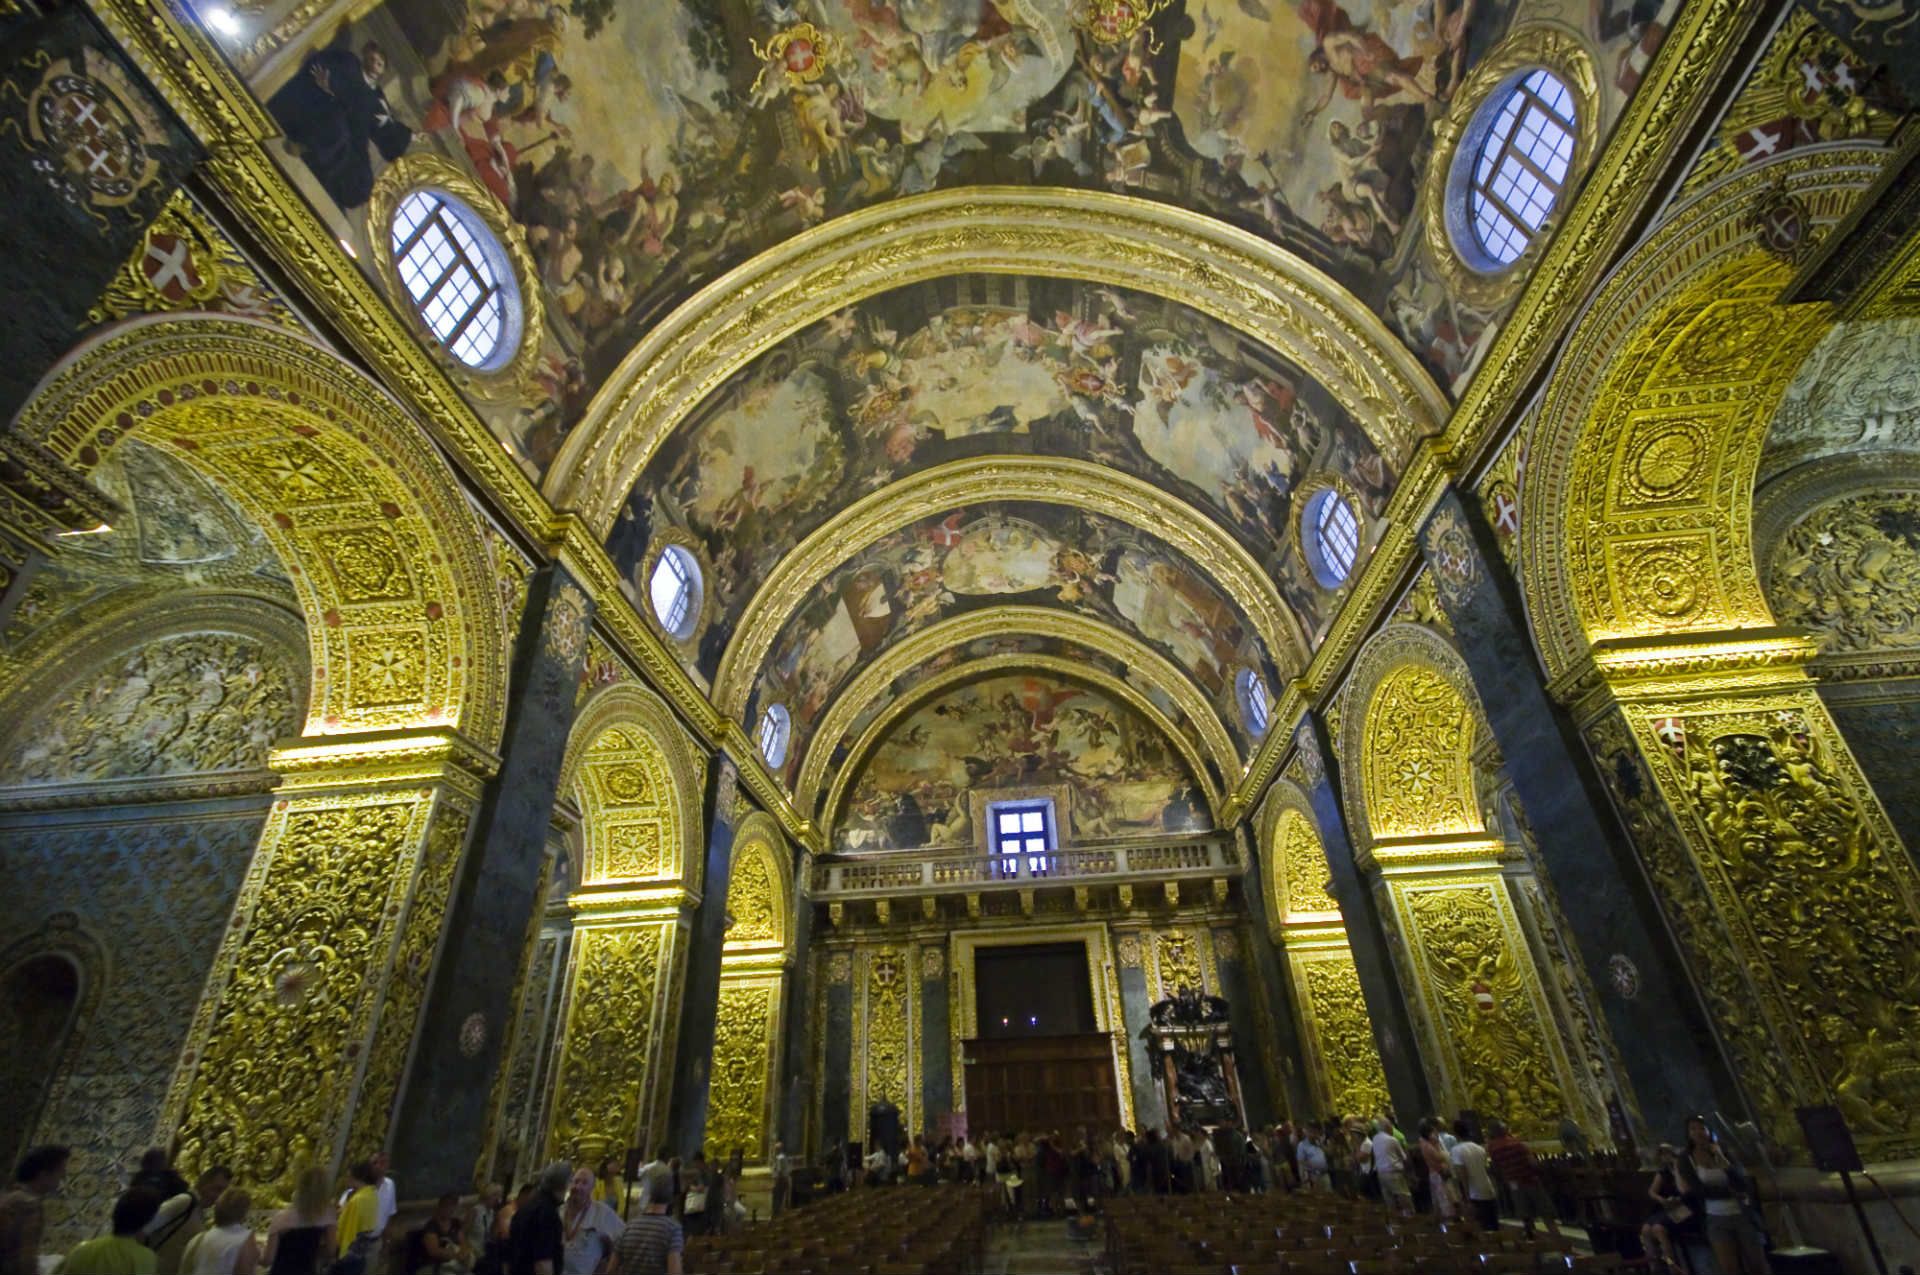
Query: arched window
point(1256, 709)
point(1330, 534)
point(1525, 145)
point(776, 727)
point(457, 276)
point(674, 590)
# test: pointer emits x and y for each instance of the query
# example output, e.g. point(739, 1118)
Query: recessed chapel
point(587, 576)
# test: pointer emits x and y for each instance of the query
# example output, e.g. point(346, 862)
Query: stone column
point(1654, 1013)
point(1264, 978)
point(936, 1038)
point(836, 1075)
point(1366, 936)
point(298, 1050)
point(706, 941)
point(794, 1068)
point(494, 919)
point(1132, 947)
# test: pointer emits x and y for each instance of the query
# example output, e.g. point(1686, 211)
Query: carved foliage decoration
point(888, 1064)
point(1416, 770)
point(1345, 1058)
point(632, 828)
point(192, 702)
point(304, 966)
point(1300, 866)
point(607, 1047)
point(755, 895)
point(743, 1054)
point(1178, 962)
point(1851, 571)
point(1483, 992)
point(1820, 901)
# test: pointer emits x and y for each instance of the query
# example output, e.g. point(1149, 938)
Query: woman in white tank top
point(228, 1246)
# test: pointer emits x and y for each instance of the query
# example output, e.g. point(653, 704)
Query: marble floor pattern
point(1038, 1248)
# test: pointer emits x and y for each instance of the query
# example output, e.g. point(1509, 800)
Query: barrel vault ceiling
point(959, 340)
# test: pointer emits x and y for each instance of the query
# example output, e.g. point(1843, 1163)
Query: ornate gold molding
point(1071, 669)
point(650, 751)
point(1078, 484)
point(1245, 282)
point(875, 678)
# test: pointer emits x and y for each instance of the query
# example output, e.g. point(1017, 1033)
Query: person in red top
point(1513, 1164)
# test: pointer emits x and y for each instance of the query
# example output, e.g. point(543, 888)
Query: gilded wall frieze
point(875, 678)
point(1079, 484)
point(386, 557)
point(876, 731)
point(1251, 285)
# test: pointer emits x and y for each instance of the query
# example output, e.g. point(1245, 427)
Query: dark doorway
point(38, 998)
point(1036, 989)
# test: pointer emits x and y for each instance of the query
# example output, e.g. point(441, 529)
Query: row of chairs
point(939, 1231)
point(1318, 1235)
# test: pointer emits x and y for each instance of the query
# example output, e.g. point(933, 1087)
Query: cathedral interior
point(580, 575)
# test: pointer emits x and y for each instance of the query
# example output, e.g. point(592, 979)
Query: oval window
point(1511, 168)
point(458, 278)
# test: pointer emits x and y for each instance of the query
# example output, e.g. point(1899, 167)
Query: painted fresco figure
point(332, 112)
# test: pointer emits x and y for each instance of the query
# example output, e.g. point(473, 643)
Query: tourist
point(653, 1242)
point(592, 1227)
point(489, 1254)
point(120, 1253)
point(1514, 1164)
point(183, 1216)
point(1208, 1159)
point(158, 1175)
point(23, 1208)
point(1390, 1167)
point(781, 1170)
point(1441, 1188)
point(536, 1243)
point(1470, 1171)
point(437, 1246)
point(1312, 1161)
point(608, 1188)
point(386, 1190)
point(357, 1235)
point(1674, 1214)
point(1707, 1173)
point(300, 1236)
point(698, 1205)
point(228, 1246)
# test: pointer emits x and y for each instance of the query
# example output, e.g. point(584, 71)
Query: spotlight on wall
point(222, 19)
point(90, 531)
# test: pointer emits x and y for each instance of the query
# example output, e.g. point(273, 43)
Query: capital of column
point(1435, 855)
point(377, 760)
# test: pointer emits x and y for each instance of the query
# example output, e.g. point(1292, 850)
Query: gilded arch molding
point(877, 730)
point(631, 707)
point(404, 623)
point(1256, 287)
point(760, 901)
point(1395, 647)
point(1642, 459)
point(1080, 484)
point(873, 679)
point(1282, 872)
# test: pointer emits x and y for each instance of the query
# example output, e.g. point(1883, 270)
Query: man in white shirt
point(1312, 1159)
point(388, 1192)
point(1470, 1158)
point(879, 1166)
point(782, 1167)
point(1390, 1168)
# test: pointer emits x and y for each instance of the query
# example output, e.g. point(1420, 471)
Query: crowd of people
point(590, 1221)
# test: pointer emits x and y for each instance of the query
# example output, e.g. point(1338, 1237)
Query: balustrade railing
point(921, 871)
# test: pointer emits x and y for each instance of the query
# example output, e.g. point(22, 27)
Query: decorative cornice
point(1079, 484)
point(876, 678)
point(1245, 282)
point(383, 759)
point(1071, 670)
point(1712, 664)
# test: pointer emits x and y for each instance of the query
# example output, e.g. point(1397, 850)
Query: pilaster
point(1253, 970)
point(706, 941)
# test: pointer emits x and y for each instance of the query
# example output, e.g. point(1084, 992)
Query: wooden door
point(1041, 1083)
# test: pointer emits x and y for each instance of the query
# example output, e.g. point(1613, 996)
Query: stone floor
point(1038, 1248)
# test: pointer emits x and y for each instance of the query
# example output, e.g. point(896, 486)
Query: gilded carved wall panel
point(1300, 865)
point(1343, 1059)
point(740, 1092)
point(889, 992)
point(1850, 571)
point(1499, 1050)
point(609, 1043)
point(1416, 767)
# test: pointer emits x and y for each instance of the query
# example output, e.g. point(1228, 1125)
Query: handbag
point(1678, 1213)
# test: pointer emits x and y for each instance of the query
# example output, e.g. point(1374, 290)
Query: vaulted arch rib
point(1260, 289)
point(874, 681)
point(1074, 483)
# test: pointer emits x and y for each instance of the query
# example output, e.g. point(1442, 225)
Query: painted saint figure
point(332, 111)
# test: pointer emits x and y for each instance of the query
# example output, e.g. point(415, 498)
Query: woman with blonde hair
point(300, 1237)
point(227, 1247)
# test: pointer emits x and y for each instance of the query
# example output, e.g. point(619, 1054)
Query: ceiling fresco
point(646, 148)
point(1012, 732)
point(997, 365)
point(1002, 553)
point(1028, 646)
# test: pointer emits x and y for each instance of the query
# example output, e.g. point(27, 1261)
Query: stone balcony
point(924, 873)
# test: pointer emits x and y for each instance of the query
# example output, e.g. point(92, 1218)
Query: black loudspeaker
point(1829, 1139)
point(883, 1127)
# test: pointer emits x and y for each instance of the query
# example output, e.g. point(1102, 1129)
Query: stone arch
point(404, 623)
point(637, 785)
point(1295, 861)
point(29, 1082)
point(1410, 707)
point(759, 888)
point(72, 721)
point(1642, 459)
